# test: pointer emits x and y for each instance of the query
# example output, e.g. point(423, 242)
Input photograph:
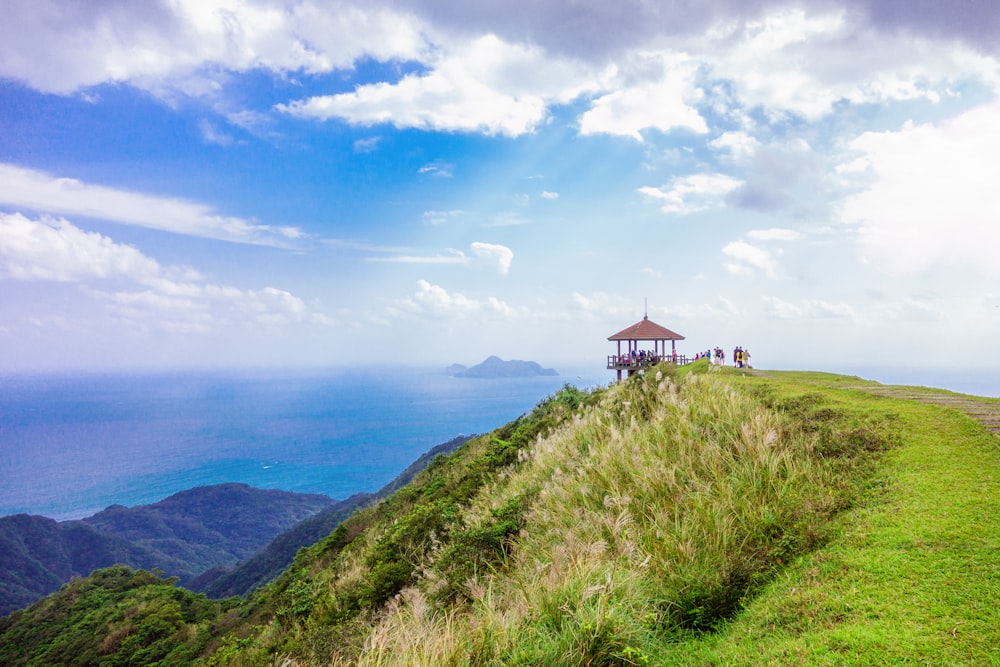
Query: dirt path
point(984, 410)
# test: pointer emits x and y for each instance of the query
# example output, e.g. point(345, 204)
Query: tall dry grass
point(652, 514)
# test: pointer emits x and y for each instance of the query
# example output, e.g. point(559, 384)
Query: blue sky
point(249, 183)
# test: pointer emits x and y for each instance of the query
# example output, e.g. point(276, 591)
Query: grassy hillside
point(691, 516)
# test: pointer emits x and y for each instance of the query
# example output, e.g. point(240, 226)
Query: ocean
point(71, 445)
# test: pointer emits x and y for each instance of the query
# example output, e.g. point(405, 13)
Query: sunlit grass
point(655, 514)
point(913, 577)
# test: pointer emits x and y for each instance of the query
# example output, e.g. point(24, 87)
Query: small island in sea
point(495, 367)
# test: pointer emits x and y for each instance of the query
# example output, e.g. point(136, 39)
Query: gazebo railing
point(623, 362)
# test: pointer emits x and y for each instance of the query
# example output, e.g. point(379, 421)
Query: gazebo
point(634, 359)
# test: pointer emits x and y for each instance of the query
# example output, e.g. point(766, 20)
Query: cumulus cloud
point(746, 257)
point(928, 198)
point(737, 145)
point(42, 192)
point(135, 288)
point(592, 29)
point(435, 300)
point(663, 101)
point(56, 250)
point(499, 67)
point(690, 194)
point(501, 255)
point(59, 47)
point(483, 85)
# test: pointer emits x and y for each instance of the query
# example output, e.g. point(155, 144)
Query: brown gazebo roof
point(646, 329)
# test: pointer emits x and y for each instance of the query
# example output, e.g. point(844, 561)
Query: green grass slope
point(913, 574)
point(691, 516)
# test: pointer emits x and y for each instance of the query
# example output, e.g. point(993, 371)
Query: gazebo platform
point(632, 359)
point(625, 362)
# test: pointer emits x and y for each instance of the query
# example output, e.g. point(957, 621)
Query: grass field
point(913, 573)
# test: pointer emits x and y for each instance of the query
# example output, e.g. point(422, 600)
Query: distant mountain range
point(222, 540)
point(495, 367)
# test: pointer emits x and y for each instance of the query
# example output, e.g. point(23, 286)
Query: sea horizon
point(74, 443)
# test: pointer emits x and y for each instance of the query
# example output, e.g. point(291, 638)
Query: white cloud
point(494, 73)
point(59, 47)
point(549, 195)
point(483, 85)
point(749, 257)
point(690, 194)
point(805, 61)
point(738, 145)
point(768, 63)
point(438, 169)
point(56, 250)
point(436, 300)
point(664, 101)
point(930, 201)
point(136, 289)
point(39, 191)
point(501, 255)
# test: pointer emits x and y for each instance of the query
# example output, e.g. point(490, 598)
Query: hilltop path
point(984, 410)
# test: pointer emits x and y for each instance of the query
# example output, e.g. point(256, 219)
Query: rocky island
point(495, 367)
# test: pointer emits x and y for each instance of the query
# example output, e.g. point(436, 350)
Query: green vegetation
point(116, 616)
point(192, 531)
point(691, 516)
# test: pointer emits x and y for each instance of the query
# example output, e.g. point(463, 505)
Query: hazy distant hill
point(495, 367)
point(183, 535)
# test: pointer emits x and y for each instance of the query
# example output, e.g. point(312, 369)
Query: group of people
point(717, 357)
point(645, 358)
